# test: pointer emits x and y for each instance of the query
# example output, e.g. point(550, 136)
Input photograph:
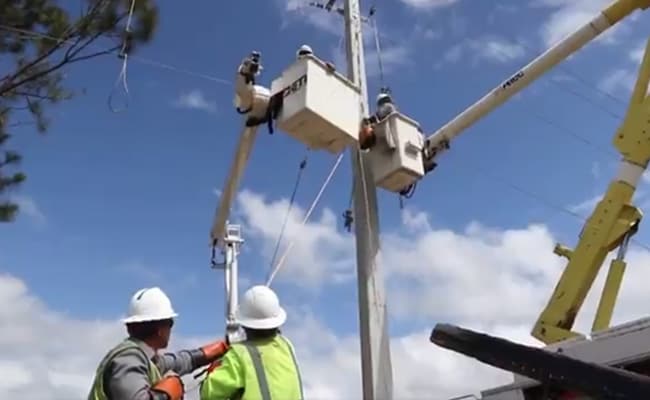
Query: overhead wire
point(292, 199)
point(136, 58)
point(274, 271)
point(373, 22)
point(576, 76)
point(542, 200)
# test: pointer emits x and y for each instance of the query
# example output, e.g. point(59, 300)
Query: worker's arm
point(126, 378)
point(225, 380)
point(186, 361)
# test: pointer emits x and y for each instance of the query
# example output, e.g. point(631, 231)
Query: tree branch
point(9, 78)
point(36, 95)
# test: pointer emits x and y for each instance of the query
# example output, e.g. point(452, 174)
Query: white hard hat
point(149, 304)
point(304, 49)
point(260, 309)
point(382, 96)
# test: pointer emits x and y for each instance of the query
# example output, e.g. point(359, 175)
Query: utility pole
point(376, 366)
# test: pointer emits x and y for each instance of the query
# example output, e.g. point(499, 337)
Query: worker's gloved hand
point(214, 350)
point(172, 385)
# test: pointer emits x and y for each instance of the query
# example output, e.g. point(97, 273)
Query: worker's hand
point(172, 385)
point(367, 138)
point(214, 350)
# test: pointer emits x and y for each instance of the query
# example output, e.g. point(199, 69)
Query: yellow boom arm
point(610, 226)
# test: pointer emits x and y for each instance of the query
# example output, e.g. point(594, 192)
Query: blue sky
point(117, 201)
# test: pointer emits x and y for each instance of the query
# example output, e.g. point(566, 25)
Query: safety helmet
point(260, 309)
point(304, 50)
point(149, 304)
point(383, 96)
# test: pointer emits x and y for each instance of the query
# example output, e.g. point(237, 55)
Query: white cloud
point(28, 207)
point(263, 220)
point(301, 11)
point(487, 48)
point(595, 170)
point(621, 80)
point(586, 207)
point(569, 15)
point(636, 54)
point(195, 99)
point(434, 272)
point(428, 33)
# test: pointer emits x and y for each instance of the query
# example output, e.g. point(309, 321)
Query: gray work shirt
point(126, 376)
point(385, 110)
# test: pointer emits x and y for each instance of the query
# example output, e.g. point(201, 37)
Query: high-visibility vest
point(97, 392)
point(268, 371)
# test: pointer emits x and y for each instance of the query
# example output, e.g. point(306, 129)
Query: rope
point(280, 263)
point(378, 48)
point(124, 55)
point(303, 163)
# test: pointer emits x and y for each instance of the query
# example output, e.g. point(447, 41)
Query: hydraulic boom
point(610, 16)
point(244, 148)
point(610, 226)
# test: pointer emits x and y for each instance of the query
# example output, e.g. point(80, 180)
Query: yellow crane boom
point(614, 220)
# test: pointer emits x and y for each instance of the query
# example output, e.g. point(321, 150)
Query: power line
point(139, 59)
point(542, 200)
point(311, 209)
point(577, 76)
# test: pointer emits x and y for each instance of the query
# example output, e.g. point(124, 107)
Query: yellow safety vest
point(256, 370)
point(97, 392)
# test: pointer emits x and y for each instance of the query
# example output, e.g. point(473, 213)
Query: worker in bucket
point(264, 366)
point(385, 107)
point(134, 370)
point(247, 73)
point(303, 51)
point(250, 67)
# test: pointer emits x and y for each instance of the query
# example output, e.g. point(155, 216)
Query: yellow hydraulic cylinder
point(611, 224)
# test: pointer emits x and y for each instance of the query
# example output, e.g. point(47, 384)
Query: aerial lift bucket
point(557, 370)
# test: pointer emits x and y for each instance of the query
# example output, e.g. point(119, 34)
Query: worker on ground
point(264, 366)
point(385, 107)
point(134, 370)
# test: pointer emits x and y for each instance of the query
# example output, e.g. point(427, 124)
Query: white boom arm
point(228, 237)
point(244, 148)
point(611, 15)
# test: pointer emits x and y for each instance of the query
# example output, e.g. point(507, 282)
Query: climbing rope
point(378, 47)
point(348, 214)
point(280, 262)
point(124, 56)
point(301, 168)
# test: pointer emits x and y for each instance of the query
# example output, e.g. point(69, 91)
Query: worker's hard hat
point(149, 304)
point(303, 50)
point(382, 96)
point(260, 309)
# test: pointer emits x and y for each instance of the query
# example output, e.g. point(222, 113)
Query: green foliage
point(38, 40)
